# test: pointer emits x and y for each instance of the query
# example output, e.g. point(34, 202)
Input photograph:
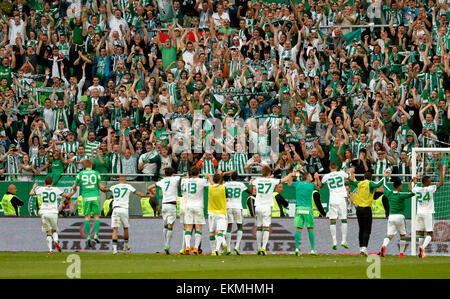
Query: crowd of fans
point(138, 86)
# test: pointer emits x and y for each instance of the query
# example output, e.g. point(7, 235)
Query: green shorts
point(91, 206)
point(304, 216)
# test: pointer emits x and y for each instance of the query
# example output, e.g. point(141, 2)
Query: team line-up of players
point(225, 207)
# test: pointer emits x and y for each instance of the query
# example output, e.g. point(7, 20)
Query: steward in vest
point(380, 207)
point(363, 202)
point(251, 203)
point(318, 210)
point(150, 206)
point(11, 203)
point(279, 205)
point(107, 207)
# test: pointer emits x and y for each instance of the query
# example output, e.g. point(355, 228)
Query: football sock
point(87, 229)
point(96, 227)
point(259, 238)
point(386, 241)
point(426, 241)
point(219, 241)
point(421, 240)
point(311, 238)
point(344, 231)
point(265, 238)
point(165, 234)
point(169, 236)
point(49, 242)
point(297, 237)
point(187, 238)
point(114, 243)
point(55, 236)
point(198, 239)
point(228, 238)
point(238, 238)
point(402, 244)
point(183, 241)
point(212, 242)
point(333, 231)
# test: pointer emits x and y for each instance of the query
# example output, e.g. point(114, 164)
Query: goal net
point(431, 162)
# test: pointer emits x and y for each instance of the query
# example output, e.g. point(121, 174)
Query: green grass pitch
point(32, 265)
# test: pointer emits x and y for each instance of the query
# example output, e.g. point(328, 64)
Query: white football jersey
point(193, 189)
point(264, 191)
point(169, 187)
point(425, 199)
point(121, 194)
point(234, 192)
point(49, 198)
point(335, 182)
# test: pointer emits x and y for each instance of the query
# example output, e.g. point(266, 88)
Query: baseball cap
point(264, 72)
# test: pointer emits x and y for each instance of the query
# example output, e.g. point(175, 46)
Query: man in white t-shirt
point(335, 180)
point(220, 15)
point(265, 186)
point(425, 210)
point(121, 195)
point(16, 28)
point(49, 210)
point(192, 189)
point(169, 186)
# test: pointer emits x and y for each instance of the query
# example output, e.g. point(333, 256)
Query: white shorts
point(169, 213)
point(120, 217)
point(217, 222)
point(425, 222)
point(49, 222)
point(194, 216)
point(396, 224)
point(263, 216)
point(234, 215)
point(337, 210)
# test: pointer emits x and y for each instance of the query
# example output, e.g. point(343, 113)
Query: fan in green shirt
point(396, 210)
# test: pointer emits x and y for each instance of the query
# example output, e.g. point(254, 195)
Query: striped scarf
point(116, 163)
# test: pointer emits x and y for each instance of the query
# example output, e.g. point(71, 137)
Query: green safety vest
point(316, 212)
point(378, 208)
point(106, 206)
point(147, 210)
point(8, 208)
point(80, 205)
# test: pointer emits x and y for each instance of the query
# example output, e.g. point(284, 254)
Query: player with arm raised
point(425, 210)
point(194, 187)
point(121, 195)
point(303, 208)
point(234, 191)
point(90, 187)
point(396, 219)
point(49, 210)
point(169, 186)
point(265, 186)
point(335, 180)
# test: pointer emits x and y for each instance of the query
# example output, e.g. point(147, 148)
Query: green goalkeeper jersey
point(396, 200)
point(88, 181)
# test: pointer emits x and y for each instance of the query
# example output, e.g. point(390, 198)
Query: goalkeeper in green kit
point(396, 211)
point(90, 187)
point(303, 209)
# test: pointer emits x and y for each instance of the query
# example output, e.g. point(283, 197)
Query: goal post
point(430, 161)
